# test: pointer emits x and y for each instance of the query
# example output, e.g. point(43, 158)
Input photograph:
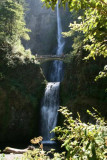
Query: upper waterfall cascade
point(60, 39)
point(50, 103)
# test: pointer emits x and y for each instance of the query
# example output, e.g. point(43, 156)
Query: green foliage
point(12, 30)
point(77, 45)
point(92, 22)
point(39, 154)
point(2, 156)
point(20, 56)
point(102, 74)
point(81, 140)
point(12, 24)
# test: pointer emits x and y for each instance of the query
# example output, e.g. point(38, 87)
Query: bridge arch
point(45, 58)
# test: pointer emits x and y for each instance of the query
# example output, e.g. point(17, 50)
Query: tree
point(12, 24)
point(92, 23)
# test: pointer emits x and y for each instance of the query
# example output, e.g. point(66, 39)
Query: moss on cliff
point(21, 89)
point(79, 91)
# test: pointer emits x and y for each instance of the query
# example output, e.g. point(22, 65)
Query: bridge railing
point(50, 56)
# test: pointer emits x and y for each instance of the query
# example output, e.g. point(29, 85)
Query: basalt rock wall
point(79, 91)
point(21, 90)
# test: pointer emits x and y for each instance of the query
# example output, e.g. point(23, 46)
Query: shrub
point(82, 141)
point(39, 154)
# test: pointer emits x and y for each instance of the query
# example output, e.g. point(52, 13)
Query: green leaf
point(88, 144)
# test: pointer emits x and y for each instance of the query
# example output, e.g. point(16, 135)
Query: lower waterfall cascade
point(50, 102)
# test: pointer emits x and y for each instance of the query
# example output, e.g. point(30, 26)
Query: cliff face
point(43, 24)
point(21, 90)
point(79, 91)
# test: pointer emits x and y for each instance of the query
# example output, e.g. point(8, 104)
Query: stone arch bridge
point(44, 58)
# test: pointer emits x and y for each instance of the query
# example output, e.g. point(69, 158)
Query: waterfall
point(60, 40)
point(56, 74)
point(50, 103)
point(49, 110)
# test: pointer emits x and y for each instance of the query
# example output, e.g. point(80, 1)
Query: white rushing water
point(60, 40)
point(56, 74)
point(50, 103)
point(49, 109)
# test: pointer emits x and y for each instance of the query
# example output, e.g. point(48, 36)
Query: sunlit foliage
point(38, 154)
point(92, 23)
point(81, 140)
